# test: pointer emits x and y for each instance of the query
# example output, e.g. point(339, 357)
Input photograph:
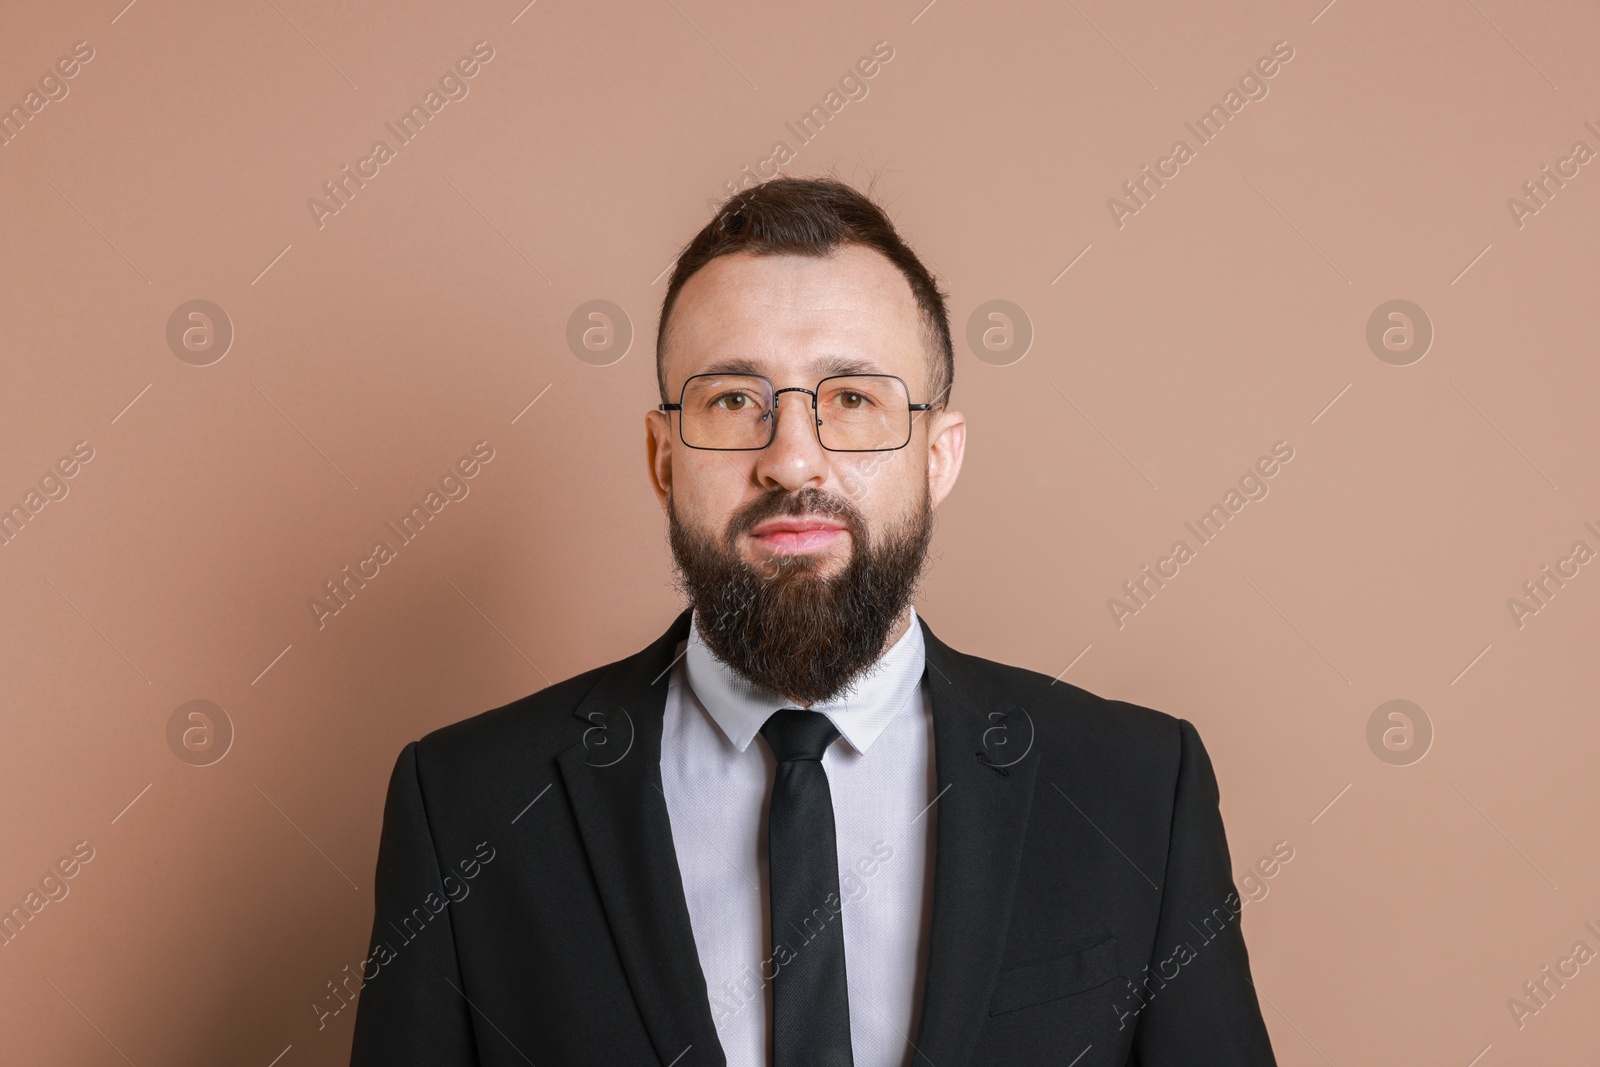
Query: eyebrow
point(824, 366)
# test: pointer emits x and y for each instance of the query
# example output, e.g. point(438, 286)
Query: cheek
point(708, 487)
point(883, 486)
point(884, 482)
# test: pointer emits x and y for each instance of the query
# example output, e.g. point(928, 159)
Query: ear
point(658, 453)
point(947, 443)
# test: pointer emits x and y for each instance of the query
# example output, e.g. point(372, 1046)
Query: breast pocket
point(1052, 979)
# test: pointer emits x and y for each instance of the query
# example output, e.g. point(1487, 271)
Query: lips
point(794, 526)
point(797, 534)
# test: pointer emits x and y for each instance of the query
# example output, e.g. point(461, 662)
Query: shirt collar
point(861, 713)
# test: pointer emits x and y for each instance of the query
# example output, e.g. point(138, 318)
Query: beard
point(784, 625)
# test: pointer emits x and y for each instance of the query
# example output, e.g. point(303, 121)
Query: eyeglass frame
point(772, 432)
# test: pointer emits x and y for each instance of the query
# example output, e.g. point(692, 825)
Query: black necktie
point(810, 1009)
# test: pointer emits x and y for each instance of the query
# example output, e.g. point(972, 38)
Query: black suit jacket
point(529, 908)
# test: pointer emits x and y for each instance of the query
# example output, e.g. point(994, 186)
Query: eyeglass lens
point(867, 412)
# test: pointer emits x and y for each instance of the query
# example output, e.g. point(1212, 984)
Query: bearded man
point(926, 858)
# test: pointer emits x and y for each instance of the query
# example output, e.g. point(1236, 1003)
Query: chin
point(822, 564)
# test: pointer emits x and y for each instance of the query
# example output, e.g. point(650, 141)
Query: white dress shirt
point(717, 780)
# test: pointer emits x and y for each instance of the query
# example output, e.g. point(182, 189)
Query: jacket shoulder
point(1071, 719)
point(540, 723)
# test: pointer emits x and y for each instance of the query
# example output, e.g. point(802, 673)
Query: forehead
point(796, 317)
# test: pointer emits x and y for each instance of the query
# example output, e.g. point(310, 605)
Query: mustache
point(778, 622)
point(806, 501)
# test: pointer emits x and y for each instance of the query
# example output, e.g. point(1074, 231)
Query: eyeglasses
point(739, 412)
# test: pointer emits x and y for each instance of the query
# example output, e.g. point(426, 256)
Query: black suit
point(1059, 875)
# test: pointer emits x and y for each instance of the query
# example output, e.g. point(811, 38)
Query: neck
point(895, 634)
point(898, 632)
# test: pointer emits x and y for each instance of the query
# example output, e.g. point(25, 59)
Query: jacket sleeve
point(412, 1009)
point(1202, 1005)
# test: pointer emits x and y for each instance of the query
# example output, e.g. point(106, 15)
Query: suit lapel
point(613, 777)
point(985, 769)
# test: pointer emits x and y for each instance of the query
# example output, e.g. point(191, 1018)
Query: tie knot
point(798, 733)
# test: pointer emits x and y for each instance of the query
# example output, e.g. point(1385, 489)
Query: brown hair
point(813, 217)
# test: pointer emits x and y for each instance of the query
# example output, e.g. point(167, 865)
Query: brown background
point(1230, 313)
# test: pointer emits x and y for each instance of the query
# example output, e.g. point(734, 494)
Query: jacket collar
point(985, 768)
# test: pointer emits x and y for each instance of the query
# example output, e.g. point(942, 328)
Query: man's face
point(794, 538)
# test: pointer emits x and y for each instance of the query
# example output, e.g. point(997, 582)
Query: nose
point(795, 458)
